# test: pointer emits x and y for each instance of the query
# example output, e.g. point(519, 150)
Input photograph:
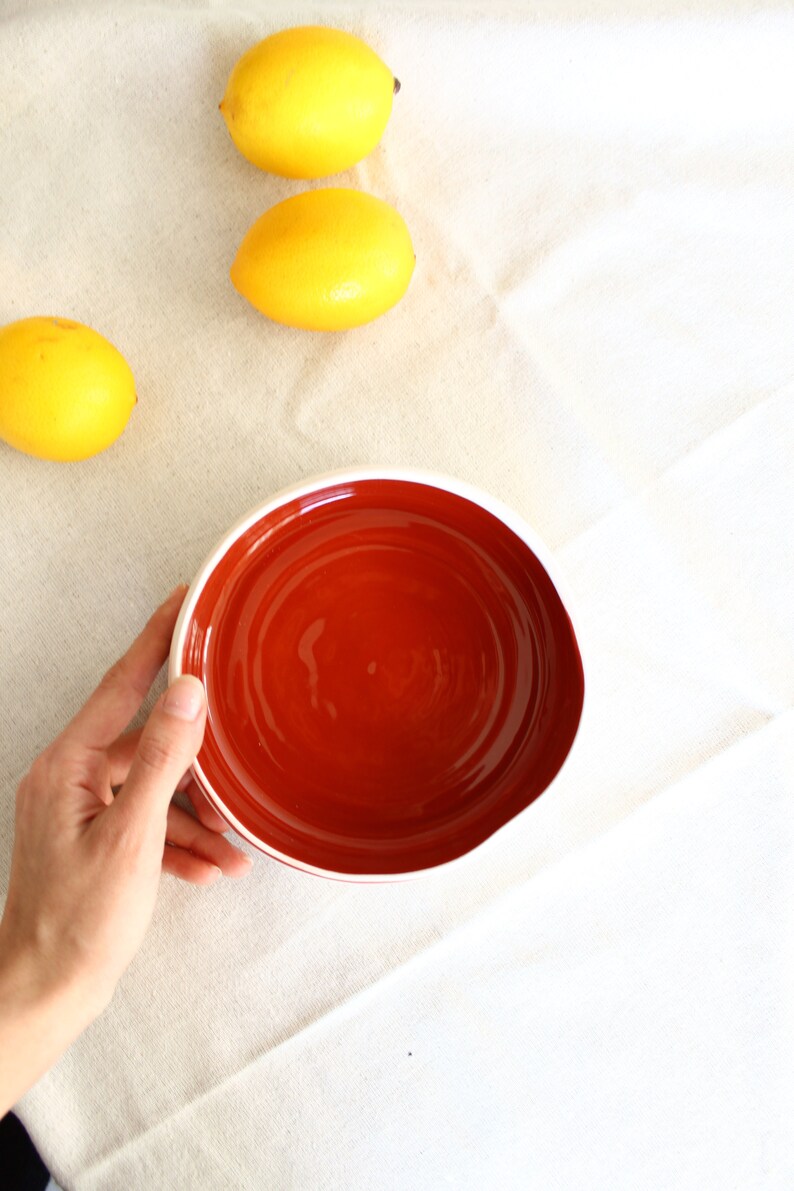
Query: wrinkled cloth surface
point(598, 331)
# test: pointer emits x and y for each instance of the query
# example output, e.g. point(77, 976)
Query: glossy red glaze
point(391, 676)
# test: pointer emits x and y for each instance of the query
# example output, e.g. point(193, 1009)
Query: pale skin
point(94, 830)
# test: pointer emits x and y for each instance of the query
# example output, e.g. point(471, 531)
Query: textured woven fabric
point(598, 331)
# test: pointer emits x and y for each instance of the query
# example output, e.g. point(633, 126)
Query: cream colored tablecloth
point(599, 331)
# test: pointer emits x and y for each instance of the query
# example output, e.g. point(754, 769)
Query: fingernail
point(180, 589)
point(184, 698)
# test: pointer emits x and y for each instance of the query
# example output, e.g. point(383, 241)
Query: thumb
point(168, 745)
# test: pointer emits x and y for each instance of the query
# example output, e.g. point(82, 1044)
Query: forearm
point(39, 1019)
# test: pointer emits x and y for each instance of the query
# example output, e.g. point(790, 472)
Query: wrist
point(30, 980)
point(40, 1016)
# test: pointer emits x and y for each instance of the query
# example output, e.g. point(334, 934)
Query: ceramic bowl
point(392, 673)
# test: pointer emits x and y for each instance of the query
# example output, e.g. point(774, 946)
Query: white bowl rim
point(430, 479)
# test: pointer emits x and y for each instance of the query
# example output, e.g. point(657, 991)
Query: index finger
point(126, 684)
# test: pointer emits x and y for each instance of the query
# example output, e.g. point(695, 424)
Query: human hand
point(86, 865)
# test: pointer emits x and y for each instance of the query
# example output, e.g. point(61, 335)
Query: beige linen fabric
point(598, 332)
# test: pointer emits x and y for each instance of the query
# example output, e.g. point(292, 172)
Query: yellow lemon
point(308, 102)
point(65, 392)
point(325, 260)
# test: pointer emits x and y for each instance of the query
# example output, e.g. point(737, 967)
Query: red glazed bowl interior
point(391, 676)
